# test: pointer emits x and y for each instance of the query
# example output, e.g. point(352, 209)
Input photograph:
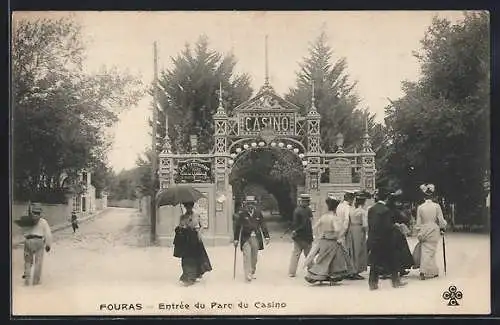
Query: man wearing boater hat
point(344, 209)
point(301, 232)
point(38, 238)
point(250, 231)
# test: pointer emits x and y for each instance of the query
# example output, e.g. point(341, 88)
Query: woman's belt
point(33, 237)
point(356, 224)
point(331, 236)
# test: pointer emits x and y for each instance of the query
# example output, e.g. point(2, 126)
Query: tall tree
point(190, 93)
point(439, 128)
point(60, 111)
point(336, 100)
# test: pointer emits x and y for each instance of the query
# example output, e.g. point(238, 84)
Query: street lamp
point(193, 138)
point(339, 141)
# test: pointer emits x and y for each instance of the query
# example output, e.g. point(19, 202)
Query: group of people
point(351, 237)
point(340, 245)
point(343, 243)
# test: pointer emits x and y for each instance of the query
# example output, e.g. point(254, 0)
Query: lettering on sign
point(340, 171)
point(194, 172)
point(279, 123)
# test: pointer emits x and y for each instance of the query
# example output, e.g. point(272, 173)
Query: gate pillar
point(313, 168)
point(223, 194)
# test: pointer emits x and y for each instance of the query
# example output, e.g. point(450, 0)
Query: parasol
point(178, 194)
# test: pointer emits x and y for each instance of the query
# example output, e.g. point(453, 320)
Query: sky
point(377, 46)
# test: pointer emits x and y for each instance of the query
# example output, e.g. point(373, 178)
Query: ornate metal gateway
point(264, 121)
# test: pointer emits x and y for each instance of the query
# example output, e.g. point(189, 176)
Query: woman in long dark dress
point(190, 248)
point(404, 257)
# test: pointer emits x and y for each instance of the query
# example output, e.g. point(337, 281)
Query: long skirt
point(428, 237)
point(329, 262)
point(195, 265)
point(356, 246)
point(403, 254)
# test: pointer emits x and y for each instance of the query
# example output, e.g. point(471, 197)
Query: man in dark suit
point(381, 247)
point(301, 232)
point(250, 231)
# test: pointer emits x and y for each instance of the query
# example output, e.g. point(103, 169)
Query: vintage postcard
point(250, 163)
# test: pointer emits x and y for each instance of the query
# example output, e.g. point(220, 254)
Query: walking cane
point(444, 255)
point(234, 260)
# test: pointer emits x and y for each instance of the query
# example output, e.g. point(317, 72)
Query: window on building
point(76, 203)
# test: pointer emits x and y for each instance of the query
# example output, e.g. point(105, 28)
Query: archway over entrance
point(259, 141)
point(278, 171)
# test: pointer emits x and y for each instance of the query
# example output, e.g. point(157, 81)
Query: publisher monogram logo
point(453, 295)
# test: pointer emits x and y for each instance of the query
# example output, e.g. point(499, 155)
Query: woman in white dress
point(356, 236)
point(430, 224)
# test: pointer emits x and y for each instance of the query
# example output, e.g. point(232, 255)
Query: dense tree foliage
point(336, 100)
point(60, 111)
point(439, 129)
point(189, 94)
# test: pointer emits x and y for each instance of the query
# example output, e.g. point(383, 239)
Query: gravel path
point(108, 262)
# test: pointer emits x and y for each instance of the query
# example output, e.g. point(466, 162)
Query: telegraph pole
point(154, 156)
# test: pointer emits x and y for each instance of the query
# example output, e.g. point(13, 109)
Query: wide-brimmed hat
point(333, 198)
point(381, 193)
point(36, 208)
point(349, 193)
point(305, 197)
point(428, 189)
point(396, 193)
point(363, 195)
point(250, 198)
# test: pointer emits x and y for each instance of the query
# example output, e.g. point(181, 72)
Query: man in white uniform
point(344, 209)
point(37, 239)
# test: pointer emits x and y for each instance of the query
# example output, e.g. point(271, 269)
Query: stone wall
point(55, 214)
point(124, 203)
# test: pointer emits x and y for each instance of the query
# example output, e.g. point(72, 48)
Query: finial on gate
point(220, 109)
point(313, 111)
point(266, 81)
point(367, 146)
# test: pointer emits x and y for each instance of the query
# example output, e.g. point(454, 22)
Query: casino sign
point(254, 123)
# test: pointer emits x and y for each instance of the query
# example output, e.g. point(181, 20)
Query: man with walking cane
point(444, 252)
point(250, 232)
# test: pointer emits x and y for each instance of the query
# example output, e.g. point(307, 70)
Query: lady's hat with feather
point(428, 189)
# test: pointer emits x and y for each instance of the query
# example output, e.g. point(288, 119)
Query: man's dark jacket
point(246, 223)
point(302, 224)
point(380, 244)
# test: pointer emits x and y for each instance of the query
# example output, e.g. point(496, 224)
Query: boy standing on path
point(74, 221)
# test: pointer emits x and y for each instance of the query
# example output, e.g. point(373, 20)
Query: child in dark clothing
point(74, 221)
